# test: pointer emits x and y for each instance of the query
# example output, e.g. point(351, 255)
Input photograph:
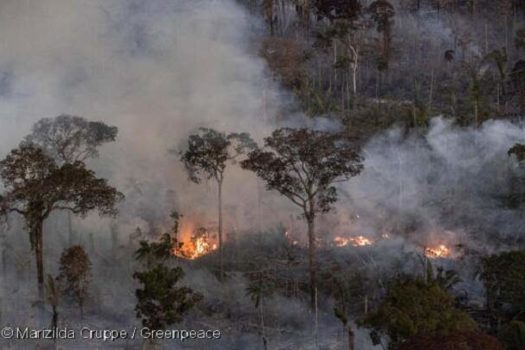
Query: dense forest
point(262, 174)
point(376, 63)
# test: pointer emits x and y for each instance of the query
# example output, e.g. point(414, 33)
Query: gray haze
point(159, 69)
point(448, 184)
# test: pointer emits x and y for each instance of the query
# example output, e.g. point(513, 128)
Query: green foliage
point(75, 275)
point(151, 253)
point(159, 302)
point(414, 307)
point(513, 335)
point(504, 278)
point(313, 101)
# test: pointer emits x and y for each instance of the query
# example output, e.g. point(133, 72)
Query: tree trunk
point(311, 260)
point(350, 338)
point(354, 79)
point(39, 255)
point(306, 14)
point(261, 314)
point(476, 113)
point(71, 237)
point(431, 92)
point(221, 260)
point(54, 320)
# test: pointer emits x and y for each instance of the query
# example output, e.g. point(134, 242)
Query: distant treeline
point(376, 63)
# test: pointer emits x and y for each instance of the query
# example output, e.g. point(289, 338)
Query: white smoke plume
point(448, 179)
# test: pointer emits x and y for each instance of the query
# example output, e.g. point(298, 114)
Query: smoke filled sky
point(450, 178)
point(156, 69)
point(159, 69)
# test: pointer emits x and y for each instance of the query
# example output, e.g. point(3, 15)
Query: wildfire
point(440, 251)
point(194, 245)
point(357, 241)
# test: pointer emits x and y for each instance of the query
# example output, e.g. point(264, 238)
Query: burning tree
point(198, 245)
point(35, 186)
point(207, 155)
point(75, 275)
point(304, 165)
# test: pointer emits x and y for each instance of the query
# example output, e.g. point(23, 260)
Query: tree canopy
point(303, 165)
point(504, 278)
point(68, 138)
point(209, 150)
point(160, 302)
point(36, 185)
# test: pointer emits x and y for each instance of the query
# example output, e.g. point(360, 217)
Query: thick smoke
point(159, 69)
point(449, 184)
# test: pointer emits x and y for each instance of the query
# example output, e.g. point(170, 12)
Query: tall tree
point(382, 13)
point(35, 186)
point(67, 138)
point(206, 156)
point(304, 165)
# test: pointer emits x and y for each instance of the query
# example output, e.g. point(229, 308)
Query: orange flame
point(193, 244)
point(440, 251)
point(357, 241)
